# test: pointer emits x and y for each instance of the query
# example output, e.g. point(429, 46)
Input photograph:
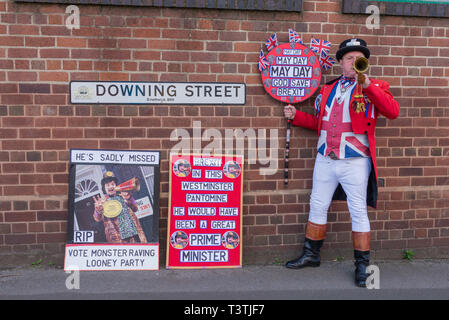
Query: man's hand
point(98, 204)
point(289, 111)
point(366, 83)
point(125, 195)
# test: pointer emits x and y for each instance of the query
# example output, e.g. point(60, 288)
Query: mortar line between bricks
point(249, 193)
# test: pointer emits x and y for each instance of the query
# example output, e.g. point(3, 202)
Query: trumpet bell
point(361, 65)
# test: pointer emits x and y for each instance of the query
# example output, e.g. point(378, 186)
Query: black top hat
point(352, 45)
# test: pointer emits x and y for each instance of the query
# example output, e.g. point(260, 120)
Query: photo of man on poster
point(116, 203)
point(117, 212)
point(113, 221)
point(182, 168)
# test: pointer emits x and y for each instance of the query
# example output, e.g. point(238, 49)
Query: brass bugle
point(130, 185)
point(361, 65)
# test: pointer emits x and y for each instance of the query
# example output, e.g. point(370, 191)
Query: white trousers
point(353, 176)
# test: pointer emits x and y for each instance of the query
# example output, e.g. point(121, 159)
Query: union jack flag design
point(336, 134)
point(293, 36)
point(318, 46)
point(272, 42)
point(263, 62)
point(326, 61)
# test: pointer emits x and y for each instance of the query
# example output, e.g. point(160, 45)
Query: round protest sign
point(293, 74)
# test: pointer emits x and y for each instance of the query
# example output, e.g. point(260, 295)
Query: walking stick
point(287, 151)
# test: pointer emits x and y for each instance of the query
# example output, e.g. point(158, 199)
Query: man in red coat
point(345, 167)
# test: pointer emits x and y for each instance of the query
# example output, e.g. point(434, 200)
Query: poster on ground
point(205, 211)
point(113, 217)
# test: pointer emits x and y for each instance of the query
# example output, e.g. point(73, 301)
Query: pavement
point(405, 280)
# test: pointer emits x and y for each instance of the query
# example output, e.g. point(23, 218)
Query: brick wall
point(39, 56)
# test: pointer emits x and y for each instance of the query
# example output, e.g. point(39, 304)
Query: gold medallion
point(112, 208)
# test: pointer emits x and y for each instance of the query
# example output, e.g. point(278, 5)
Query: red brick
point(19, 191)
point(189, 45)
point(262, 230)
point(291, 229)
point(99, 133)
point(130, 133)
point(53, 190)
point(115, 144)
point(53, 76)
point(53, 99)
point(17, 145)
point(8, 133)
point(114, 76)
point(117, 54)
point(23, 29)
point(35, 179)
point(12, 41)
point(85, 53)
point(262, 185)
point(60, 133)
point(71, 42)
point(13, 99)
point(50, 145)
point(9, 179)
point(132, 43)
point(147, 33)
point(20, 239)
point(51, 237)
point(146, 144)
point(18, 167)
point(39, 41)
point(424, 181)
point(114, 122)
point(102, 43)
point(22, 53)
point(410, 171)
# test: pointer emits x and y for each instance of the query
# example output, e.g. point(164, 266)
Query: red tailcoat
point(383, 103)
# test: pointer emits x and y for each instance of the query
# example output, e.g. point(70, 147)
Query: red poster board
point(205, 212)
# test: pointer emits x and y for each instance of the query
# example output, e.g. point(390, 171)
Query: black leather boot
point(361, 263)
point(310, 256)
